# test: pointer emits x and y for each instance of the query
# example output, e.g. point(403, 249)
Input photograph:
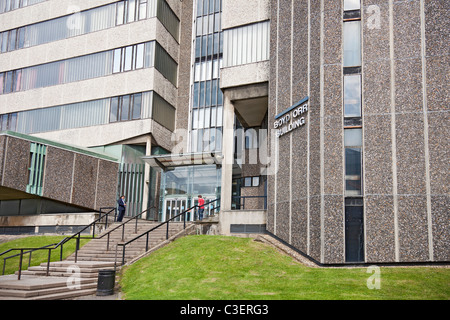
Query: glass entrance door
point(174, 207)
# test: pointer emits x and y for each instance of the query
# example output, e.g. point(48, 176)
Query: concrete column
point(145, 204)
point(228, 153)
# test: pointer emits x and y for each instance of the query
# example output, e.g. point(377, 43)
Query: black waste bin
point(106, 282)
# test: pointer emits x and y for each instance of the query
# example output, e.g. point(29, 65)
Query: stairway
point(68, 280)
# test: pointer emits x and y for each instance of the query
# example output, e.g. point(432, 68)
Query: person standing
point(122, 206)
point(201, 207)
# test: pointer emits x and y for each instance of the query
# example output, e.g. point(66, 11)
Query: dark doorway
point(354, 230)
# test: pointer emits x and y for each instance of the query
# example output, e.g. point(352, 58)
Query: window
point(352, 5)
point(354, 230)
point(246, 44)
point(352, 43)
point(206, 96)
point(126, 108)
point(36, 168)
point(89, 67)
point(251, 181)
point(353, 161)
point(352, 95)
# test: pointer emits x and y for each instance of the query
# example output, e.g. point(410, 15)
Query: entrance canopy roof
point(170, 161)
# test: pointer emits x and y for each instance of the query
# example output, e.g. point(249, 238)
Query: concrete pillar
point(145, 195)
point(228, 153)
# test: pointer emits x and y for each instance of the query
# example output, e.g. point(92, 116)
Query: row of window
point(91, 66)
point(88, 21)
point(206, 94)
point(246, 44)
point(207, 117)
point(10, 5)
point(91, 113)
point(207, 98)
point(352, 97)
point(205, 7)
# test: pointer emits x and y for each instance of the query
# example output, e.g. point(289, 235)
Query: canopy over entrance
point(171, 161)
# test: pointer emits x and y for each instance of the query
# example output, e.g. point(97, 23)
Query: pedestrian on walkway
point(122, 206)
point(201, 207)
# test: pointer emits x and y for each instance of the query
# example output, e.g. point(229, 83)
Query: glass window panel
point(216, 44)
point(8, 82)
point(217, 6)
point(204, 45)
point(211, 23)
point(4, 41)
point(2, 80)
point(114, 109)
point(218, 139)
point(352, 137)
point(214, 92)
point(21, 38)
point(352, 43)
point(143, 9)
point(128, 58)
point(201, 118)
point(12, 122)
point(219, 116)
point(199, 23)
point(12, 40)
point(200, 141)
point(199, 8)
point(194, 134)
point(353, 171)
point(352, 4)
point(210, 45)
point(213, 116)
point(247, 181)
point(17, 80)
point(120, 13)
point(140, 56)
point(207, 117)
point(195, 98)
point(117, 60)
point(137, 106)
point(255, 181)
point(352, 95)
point(208, 94)
point(212, 139)
point(205, 7)
point(217, 25)
point(195, 119)
point(198, 47)
point(131, 10)
point(202, 94)
point(125, 110)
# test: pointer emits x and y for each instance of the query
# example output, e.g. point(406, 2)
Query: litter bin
point(106, 282)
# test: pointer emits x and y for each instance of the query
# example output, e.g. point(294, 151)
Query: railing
point(241, 204)
point(60, 244)
point(147, 233)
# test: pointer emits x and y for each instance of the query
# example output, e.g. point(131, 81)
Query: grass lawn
point(12, 265)
point(219, 268)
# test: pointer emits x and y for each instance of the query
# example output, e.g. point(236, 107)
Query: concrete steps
point(66, 280)
point(70, 280)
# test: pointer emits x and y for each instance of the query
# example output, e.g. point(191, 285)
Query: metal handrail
point(147, 233)
point(56, 245)
point(122, 225)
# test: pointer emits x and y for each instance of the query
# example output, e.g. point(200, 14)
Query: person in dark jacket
point(122, 206)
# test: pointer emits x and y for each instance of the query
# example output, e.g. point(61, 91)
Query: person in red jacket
point(201, 207)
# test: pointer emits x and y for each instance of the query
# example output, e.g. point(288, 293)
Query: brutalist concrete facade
point(405, 75)
point(70, 175)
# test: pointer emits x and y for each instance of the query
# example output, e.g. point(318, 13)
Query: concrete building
point(323, 123)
